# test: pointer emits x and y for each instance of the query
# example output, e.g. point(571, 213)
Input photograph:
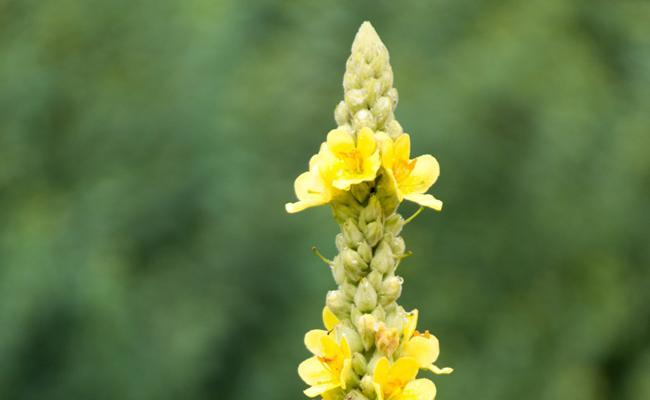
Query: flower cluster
point(344, 161)
point(370, 348)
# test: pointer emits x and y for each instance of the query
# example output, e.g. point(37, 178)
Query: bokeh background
point(147, 149)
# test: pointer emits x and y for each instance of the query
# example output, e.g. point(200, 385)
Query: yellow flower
point(412, 178)
point(329, 319)
point(397, 381)
point(324, 370)
point(354, 162)
point(423, 347)
point(314, 187)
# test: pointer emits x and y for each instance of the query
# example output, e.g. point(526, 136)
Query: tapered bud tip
point(367, 35)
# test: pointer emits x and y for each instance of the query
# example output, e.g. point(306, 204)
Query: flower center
point(353, 160)
point(402, 169)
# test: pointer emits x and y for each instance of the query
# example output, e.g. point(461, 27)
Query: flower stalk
point(370, 348)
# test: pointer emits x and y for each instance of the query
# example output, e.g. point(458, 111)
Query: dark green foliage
point(147, 149)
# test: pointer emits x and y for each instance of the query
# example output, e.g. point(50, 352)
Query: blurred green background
point(147, 149)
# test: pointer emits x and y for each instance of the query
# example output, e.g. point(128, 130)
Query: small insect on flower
point(411, 178)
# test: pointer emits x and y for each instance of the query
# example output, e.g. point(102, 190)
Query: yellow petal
point(313, 341)
point(380, 395)
point(403, 370)
point(426, 200)
point(329, 319)
point(419, 389)
point(380, 375)
point(425, 172)
point(339, 141)
point(411, 323)
point(387, 153)
point(314, 372)
point(403, 147)
point(366, 142)
point(320, 389)
point(329, 346)
point(345, 348)
point(440, 371)
point(346, 370)
point(311, 191)
point(335, 394)
point(424, 349)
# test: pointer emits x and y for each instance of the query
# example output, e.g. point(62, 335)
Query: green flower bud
point(391, 289)
point(354, 264)
point(367, 386)
point(374, 233)
point(355, 395)
point(341, 113)
point(360, 191)
point(355, 99)
point(397, 245)
point(352, 234)
point(382, 108)
point(349, 376)
point(366, 326)
point(364, 118)
point(372, 212)
point(341, 242)
point(338, 270)
point(379, 313)
point(383, 260)
point(396, 318)
point(366, 298)
point(348, 290)
point(375, 278)
point(394, 224)
point(365, 251)
point(351, 336)
point(338, 303)
point(359, 364)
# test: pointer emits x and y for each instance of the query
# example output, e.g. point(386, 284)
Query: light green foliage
point(147, 148)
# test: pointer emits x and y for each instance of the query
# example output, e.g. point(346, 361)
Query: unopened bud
point(394, 224)
point(351, 336)
point(374, 233)
point(355, 99)
point(396, 318)
point(366, 298)
point(397, 245)
point(366, 325)
point(360, 191)
point(359, 364)
point(348, 375)
point(375, 278)
point(338, 270)
point(341, 113)
point(379, 313)
point(352, 233)
point(355, 395)
point(382, 108)
point(367, 386)
point(372, 212)
point(365, 251)
point(340, 242)
point(391, 289)
point(364, 118)
point(337, 302)
point(383, 260)
point(348, 290)
point(353, 263)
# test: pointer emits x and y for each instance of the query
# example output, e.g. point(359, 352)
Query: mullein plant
point(370, 348)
